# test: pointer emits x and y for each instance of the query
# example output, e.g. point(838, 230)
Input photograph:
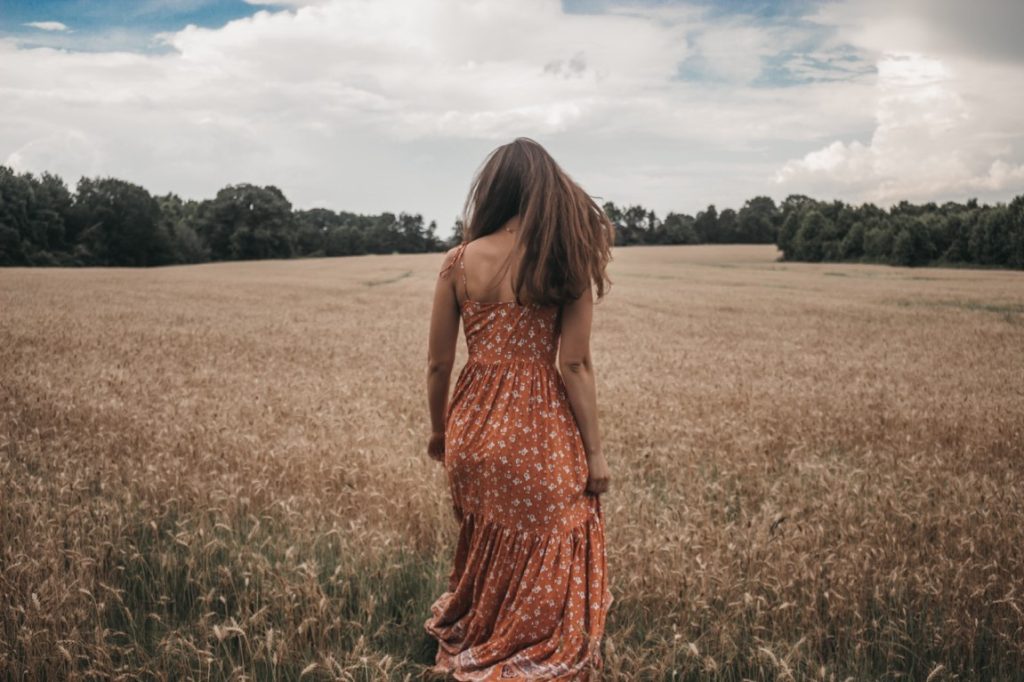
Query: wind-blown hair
point(566, 238)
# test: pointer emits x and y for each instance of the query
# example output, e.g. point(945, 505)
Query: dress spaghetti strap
point(462, 267)
point(447, 267)
point(457, 258)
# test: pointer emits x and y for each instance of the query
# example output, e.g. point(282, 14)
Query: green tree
point(852, 246)
point(911, 242)
point(1015, 233)
point(787, 233)
point(678, 229)
point(117, 223)
point(414, 234)
point(11, 250)
point(989, 242)
point(634, 223)
point(345, 240)
point(178, 220)
point(807, 242)
point(247, 222)
point(878, 243)
point(831, 236)
point(706, 225)
point(312, 227)
point(614, 214)
point(728, 227)
point(759, 221)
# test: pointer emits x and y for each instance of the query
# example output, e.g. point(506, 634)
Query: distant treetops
point(112, 222)
point(806, 229)
point(107, 221)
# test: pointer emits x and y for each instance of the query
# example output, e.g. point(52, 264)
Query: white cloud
point(735, 52)
point(986, 29)
point(68, 153)
point(392, 104)
point(47, 25)
point(942, 131)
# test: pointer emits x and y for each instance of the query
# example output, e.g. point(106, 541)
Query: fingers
point(435, 448)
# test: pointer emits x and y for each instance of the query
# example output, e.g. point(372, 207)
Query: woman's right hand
point(599, 476)
point(435, 446)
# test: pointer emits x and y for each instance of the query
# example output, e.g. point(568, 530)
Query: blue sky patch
point(112, 24)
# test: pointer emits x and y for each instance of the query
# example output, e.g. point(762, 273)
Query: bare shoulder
point(491, 248)
point(449, 260)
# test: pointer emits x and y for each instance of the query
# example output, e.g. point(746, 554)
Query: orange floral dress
point(528, 593)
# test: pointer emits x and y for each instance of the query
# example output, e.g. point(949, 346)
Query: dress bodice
point(506, 331)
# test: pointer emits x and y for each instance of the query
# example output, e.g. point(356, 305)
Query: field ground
point(818, 469)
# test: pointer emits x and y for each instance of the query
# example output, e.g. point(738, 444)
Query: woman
point(528, 593)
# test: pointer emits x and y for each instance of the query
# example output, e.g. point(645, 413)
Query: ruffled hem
point(521, 604)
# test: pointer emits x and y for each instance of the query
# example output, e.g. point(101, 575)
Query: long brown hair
point(566, 238)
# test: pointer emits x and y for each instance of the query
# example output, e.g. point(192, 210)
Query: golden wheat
point(219, 471)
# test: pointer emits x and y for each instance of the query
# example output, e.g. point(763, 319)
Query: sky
point(393, 105)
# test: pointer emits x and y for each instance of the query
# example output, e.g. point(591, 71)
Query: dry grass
point(218, 471)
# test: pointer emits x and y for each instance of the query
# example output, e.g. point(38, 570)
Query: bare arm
point(577, 369)
point(444, 334)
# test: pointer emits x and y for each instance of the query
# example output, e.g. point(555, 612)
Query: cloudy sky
point(374, 105)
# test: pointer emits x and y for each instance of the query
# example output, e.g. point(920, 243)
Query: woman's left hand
point(435, 447)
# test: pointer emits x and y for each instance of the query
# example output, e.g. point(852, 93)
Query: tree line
point(757, 222)
point(906, 234)
point(111, 222)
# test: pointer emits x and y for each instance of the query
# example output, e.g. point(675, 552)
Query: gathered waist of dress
point(494, 359)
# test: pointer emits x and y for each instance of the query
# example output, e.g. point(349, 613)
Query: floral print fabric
point(528, 593)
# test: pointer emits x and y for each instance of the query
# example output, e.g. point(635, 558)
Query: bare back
point(488, 264)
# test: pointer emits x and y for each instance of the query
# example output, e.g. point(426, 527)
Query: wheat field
point(219, 471)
